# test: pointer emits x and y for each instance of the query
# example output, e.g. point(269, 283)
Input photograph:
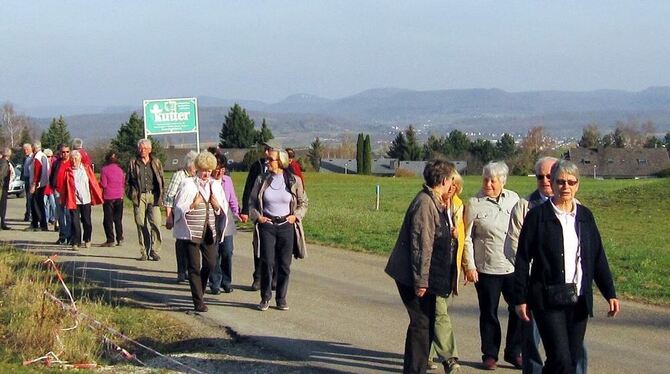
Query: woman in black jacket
point(562, 242)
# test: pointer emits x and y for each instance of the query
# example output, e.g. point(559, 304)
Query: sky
point(121, 52)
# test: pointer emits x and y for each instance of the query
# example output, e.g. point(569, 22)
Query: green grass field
point(632, 216)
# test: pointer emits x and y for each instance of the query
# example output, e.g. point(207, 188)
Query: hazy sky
point(120, 52)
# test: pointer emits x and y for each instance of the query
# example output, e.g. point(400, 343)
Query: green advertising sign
point(170, 116)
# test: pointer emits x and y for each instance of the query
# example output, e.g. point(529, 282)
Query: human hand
point(291, 219)
point(419, 291)
point(169, 222)
point(263, 219)
point(522, 312)
point(615, 307)
point(471, 276)
point(244, 218)
point(32, 188)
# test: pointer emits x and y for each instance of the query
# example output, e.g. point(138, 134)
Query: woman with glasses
point(277, 205)
point(489, 267)
point(559, 256)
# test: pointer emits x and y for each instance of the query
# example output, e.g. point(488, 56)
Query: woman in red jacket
point(81, 190)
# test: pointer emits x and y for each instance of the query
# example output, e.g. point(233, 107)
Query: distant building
point(619, 162)
point(175, 156)
point(380, 166)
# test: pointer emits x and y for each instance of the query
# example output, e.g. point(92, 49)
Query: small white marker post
point(378, 192)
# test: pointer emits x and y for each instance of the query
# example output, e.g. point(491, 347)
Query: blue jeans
point(64, 222)
point(532, 360)
point(50, 207)
point(222, 274)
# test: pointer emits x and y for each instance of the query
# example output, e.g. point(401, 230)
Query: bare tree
point(11, 125)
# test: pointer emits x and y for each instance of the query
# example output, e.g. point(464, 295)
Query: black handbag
point(561, 295)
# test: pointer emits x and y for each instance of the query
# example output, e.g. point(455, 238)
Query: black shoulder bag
point(564, 294)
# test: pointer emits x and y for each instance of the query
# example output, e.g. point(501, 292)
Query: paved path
point(346, 315)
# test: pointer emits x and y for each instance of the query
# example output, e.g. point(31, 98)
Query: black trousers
point(81, 217)
point(276, 247)
point(3, 206)
point(198, 271)
point(181, 253)
point(489, 288)
point(39, 217)
point(112, 219)
point(420, 332)
point(562, 331)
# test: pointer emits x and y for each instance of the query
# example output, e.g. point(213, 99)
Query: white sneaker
point(452, 366)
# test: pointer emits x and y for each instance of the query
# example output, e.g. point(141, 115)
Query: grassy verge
point(32, 325)
point(632, 216)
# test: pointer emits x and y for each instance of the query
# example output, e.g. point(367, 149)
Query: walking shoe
point(119, 243)
point(227, 289)
point(516, 361)
point(201, 308)
point(263, 306)
point(182, 280)
point(282, 306)
point(451, 366)
point(107, 244)
point(490, 363)
point(215, 292)
point(5, 227)
point(87, 244)
point(256, 285)
point(143, 257)
point(74, 247)
point(431, 365)
point(154, 256)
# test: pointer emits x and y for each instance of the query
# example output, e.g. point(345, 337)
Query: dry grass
point(31, 324)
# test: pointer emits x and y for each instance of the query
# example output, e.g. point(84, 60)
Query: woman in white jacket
point(199, 201)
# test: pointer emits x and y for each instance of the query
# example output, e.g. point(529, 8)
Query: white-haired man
point(39, 180)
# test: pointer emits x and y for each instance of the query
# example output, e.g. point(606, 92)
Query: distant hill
point(301, 117)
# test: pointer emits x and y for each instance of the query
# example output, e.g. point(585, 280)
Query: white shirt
point(572, 260)
point(189, 188)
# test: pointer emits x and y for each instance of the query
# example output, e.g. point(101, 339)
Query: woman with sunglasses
point(559, 255)
point(277, 205)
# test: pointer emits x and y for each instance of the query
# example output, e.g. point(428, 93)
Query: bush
point(665, 173)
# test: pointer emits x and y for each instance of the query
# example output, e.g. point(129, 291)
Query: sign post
point(172, 116)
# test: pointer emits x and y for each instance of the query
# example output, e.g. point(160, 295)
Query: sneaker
point(431, 365)
point(154, 256)
point(143, 257)
point(452, 366)
point(263, 306)
point(87, 245)
point(119, 243)
point(74, 247)
point(282, 306)
point(107, 244)
point(201, 308)
point(227, 289)
point(215, 292)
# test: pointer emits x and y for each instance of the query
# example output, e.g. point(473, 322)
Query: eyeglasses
point(569, 182)
point(270, 159)
point(543, 176)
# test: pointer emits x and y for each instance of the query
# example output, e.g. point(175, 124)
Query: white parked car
point(16, 187)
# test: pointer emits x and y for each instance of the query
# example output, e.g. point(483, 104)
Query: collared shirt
point(487, 220)
point(572, 260)
point(146, 181)
point(82, 188)
point(173, 187)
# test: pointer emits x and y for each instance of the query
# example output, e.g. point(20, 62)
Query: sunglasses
point(543, 176)
point(563, 182)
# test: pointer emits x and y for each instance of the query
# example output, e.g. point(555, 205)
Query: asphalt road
point(345, 316)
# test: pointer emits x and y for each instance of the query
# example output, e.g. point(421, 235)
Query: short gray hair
point(77, 143)
point(7, 151)
point(564, 166)
point(189, 159)
point(37, 144)
point(541, 161)
point(145, 142)
point(496, 169)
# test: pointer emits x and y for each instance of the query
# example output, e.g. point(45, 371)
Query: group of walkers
point(200, 203)
point(542, 254)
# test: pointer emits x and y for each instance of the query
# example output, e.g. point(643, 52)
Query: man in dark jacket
point(5, 179)
point(257, 168)
point(144, 187)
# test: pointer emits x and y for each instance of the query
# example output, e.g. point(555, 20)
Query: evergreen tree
point(125, 143)
point(25, 136)
point(414, 151)
point(590, 137)
point(56, 134)
point(264, 134)
point(457, 143)
point(434, 148)
point(315, 153)
point(483, 150)
point(398, 147)
point(360, 163)
point(505, 147)
point(238, 129)
point(367, 155)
